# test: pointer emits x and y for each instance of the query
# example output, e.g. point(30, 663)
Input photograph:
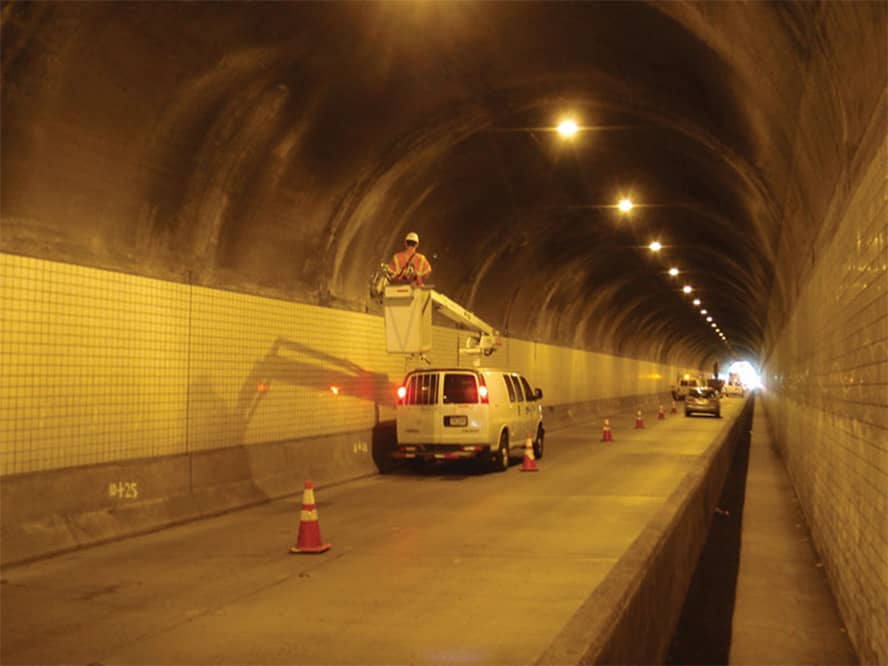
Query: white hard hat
point(412, 236)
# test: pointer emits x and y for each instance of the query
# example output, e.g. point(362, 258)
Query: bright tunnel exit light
point(568, 127)
point(747, 373)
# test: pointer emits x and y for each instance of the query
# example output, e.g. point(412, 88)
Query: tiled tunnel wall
point(101, 366)
point(827, 392)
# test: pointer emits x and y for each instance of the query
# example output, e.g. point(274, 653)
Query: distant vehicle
point(703, 400)
point(480, 413)
point(735, 387)
point(683, 384)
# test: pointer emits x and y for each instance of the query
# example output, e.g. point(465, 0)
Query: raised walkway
point(784, 611)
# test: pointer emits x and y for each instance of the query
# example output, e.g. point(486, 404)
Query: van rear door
point(463, 414)
point(416, 415)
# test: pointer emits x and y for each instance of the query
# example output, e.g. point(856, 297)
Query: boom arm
point(487, 338)
point(453, 310)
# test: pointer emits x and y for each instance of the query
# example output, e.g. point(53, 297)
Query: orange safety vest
point(410, 266)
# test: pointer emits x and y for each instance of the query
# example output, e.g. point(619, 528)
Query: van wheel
point(500, 461)
point(538, 443)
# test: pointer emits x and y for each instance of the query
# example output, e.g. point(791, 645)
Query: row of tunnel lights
point(625, 205)
point(568, 128)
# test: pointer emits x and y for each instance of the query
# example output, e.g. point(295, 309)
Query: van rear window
point(422, 389)
point(509, 388)
point(460, 389)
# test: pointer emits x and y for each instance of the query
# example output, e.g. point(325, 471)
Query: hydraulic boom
point(408, 321)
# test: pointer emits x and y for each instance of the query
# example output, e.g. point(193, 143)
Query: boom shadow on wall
point(288, 362)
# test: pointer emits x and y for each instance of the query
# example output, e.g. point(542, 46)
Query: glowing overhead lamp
point(568, 128)
point(708, 318)
point(712, 324)
point(687, 289)
point(655, 246)
point(625, 205)
point(673, 271)
point(696, 301)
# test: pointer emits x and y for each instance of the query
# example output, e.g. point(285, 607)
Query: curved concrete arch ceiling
point(286, 148)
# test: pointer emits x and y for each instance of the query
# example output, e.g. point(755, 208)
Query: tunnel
point(195, 196)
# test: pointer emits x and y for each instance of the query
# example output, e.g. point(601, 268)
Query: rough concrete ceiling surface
point(286, 148)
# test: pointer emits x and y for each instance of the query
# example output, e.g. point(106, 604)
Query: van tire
point(500, 461)
point(538, 443)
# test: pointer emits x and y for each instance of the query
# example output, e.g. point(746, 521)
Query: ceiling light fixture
point(568, 127)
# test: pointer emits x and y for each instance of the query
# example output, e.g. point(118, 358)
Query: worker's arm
point(424, 270)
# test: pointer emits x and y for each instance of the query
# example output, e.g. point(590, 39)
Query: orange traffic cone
point(639, 422)
point(674, 411)
point(606, 435)
point(661, 415)
point(309, 540)
point(529, 464)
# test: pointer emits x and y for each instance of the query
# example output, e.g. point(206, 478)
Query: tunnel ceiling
point(286, 148)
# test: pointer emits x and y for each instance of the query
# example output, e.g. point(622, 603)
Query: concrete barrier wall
point(631, 616)
point(51, 512)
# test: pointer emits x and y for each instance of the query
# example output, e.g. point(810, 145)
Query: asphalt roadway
point(444, 566)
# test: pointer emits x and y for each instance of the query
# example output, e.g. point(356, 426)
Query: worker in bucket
point(408, 265)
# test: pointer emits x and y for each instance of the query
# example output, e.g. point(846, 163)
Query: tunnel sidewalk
point(784, 610)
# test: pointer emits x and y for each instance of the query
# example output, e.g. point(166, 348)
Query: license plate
point(456, 421)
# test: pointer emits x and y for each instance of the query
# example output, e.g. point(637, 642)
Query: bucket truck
point(490, 415)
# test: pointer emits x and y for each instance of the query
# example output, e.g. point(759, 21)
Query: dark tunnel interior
point(286, 148)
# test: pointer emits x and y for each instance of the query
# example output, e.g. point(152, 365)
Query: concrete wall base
point(61, 510)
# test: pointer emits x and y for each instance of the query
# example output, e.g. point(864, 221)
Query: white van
point(684, 385)
point(481, 413)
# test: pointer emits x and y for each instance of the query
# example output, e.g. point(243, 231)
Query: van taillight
point(402, 393)
point(482, 391)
